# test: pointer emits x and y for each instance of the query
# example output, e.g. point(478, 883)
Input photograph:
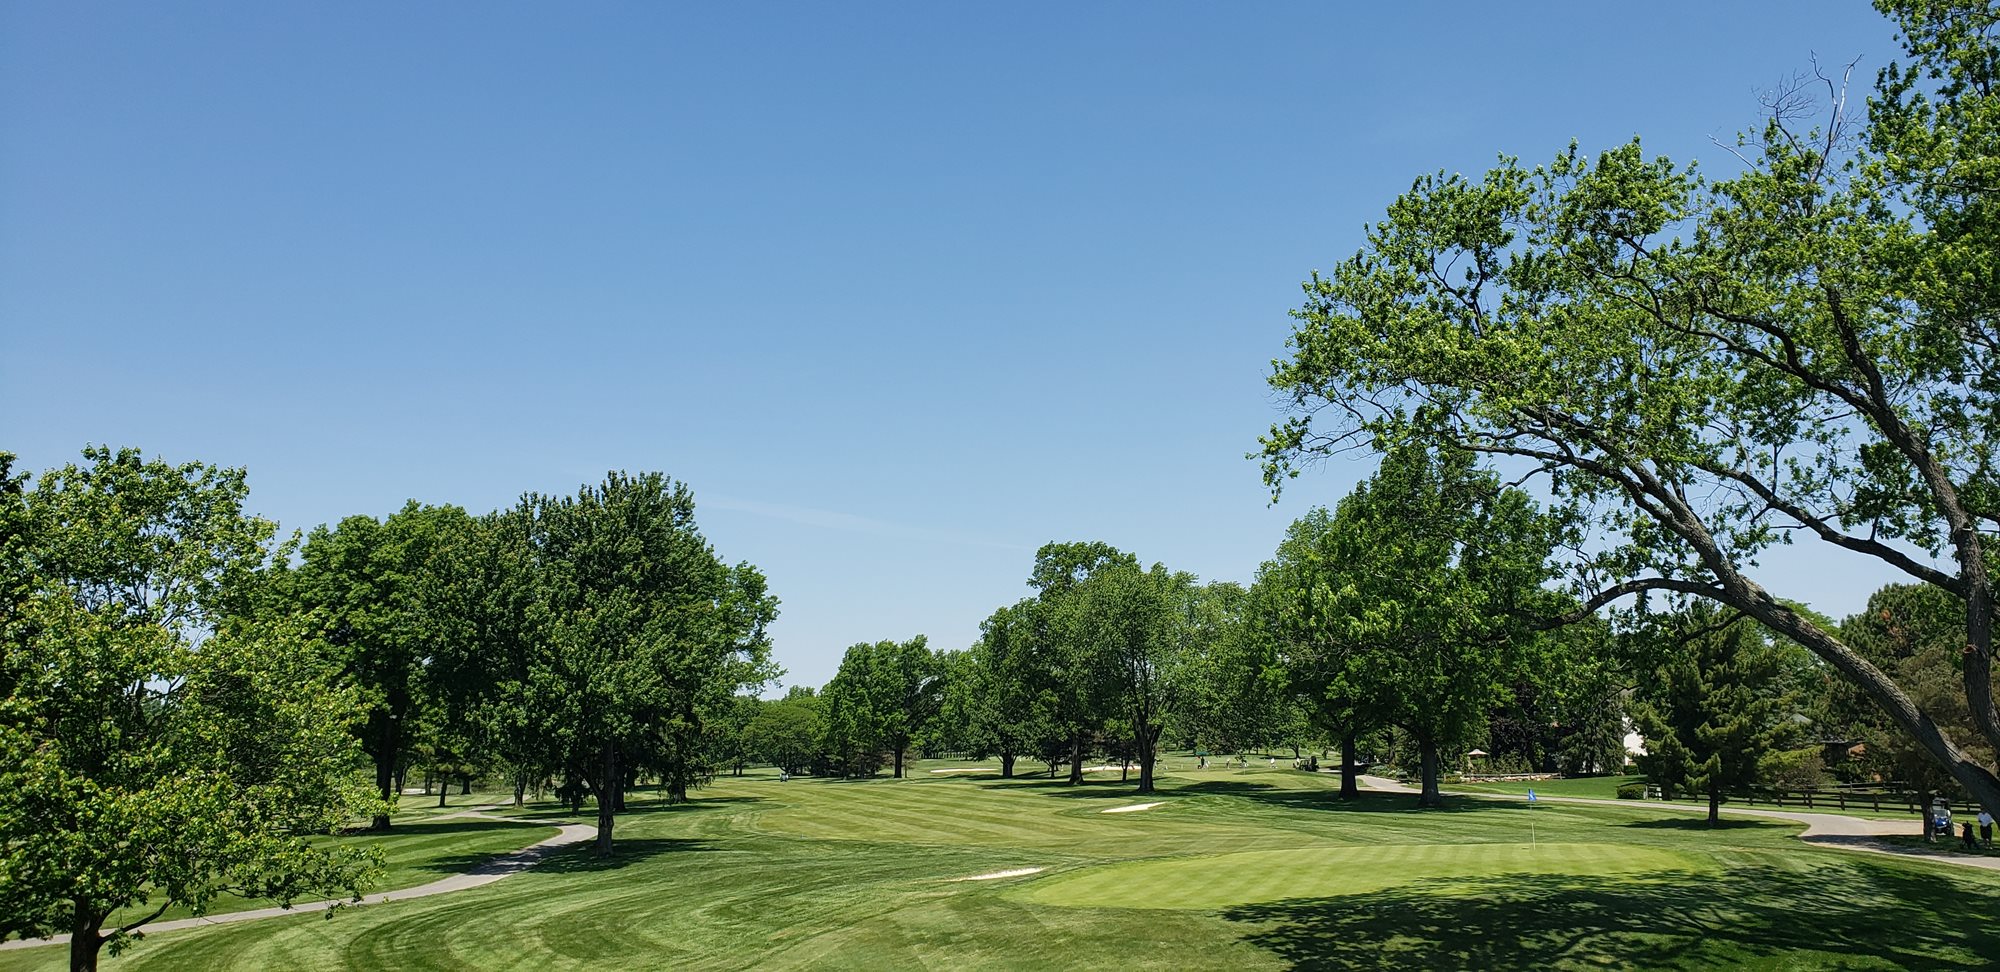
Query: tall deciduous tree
point(157, 747)
point(1226, 691)
point(1704, 368)
point(644, 625)
point(367, 584)
point(1300, 606)
point(1076, 674)
point(882, 697)
point(1439, 566)
point(785, 733)
point(1136, 621)
point(1001, 694)
point(487, 603)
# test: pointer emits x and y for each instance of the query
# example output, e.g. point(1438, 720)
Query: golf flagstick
point(1531, 820)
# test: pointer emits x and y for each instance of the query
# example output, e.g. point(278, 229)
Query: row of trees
point(186, 701)
point(575, 641)
point(1407, 614)
point(1106, 657)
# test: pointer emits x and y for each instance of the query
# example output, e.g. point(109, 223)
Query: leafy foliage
point(157, 747)
point(1699, 369)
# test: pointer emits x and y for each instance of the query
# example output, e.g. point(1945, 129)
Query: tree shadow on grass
point(1867, 916)
point(1701, 824)
point(434, 828)
point(1367, 801)
point(1091, 789)
point(637, 804)
point(625, 852)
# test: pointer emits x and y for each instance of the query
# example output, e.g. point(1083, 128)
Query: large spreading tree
point(1700, 369)
point(160, 744)
point(645, 628)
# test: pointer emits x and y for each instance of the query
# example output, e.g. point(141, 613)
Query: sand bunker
point(1134, 808)
point(996, 875)
point(967, 769)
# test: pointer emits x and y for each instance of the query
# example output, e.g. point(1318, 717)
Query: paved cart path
point(1826, 829)
point(487, 873)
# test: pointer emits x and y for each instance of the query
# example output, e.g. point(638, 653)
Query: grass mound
point(1223, 880)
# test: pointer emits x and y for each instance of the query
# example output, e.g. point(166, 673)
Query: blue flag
point(1531, 794)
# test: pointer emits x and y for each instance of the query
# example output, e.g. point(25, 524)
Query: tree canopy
point(159, 745)
point(1699, 368)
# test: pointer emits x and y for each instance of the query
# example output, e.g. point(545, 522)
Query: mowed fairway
point(1222, 880)
point(1258, 868)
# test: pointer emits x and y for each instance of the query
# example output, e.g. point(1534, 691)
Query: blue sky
point(901, 290)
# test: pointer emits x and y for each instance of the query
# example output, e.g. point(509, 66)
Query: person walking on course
point(1985, 828)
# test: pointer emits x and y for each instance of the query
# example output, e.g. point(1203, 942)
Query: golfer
point(1985, 828)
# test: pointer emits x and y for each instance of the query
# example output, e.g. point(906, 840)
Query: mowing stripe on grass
point(1222, 880)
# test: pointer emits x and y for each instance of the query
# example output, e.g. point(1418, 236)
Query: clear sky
point(902, 291)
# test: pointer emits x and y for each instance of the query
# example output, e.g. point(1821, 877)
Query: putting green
point(1222, 880)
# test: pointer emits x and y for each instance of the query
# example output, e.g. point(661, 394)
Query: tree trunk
point(1076, 759)
point(1714, 803)
point(520, 790)
point(84, 940)
point(898, 774)
point(385, 781)
point(608, 782)
point(443, 791)
point(465, 785)
point(1350, 771)
point(1753, 600)
point(1144, 741)
point(1006, 766)
point(1428, 752)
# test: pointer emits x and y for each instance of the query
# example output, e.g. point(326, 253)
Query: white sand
point(996, 875)
point(967, 769)
point(1104, 769)
point(1133, 808)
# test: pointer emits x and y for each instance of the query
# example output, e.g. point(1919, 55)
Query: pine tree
point(1717, 708)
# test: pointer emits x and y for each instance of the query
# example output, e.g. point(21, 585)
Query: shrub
point(1632, 791)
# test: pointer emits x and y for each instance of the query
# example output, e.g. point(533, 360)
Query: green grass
point(413, 852)
point(1220, 880)
point(1589, 787)
point(1264, 869)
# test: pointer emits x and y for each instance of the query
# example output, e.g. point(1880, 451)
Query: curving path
point(1825, 829)
point(486, 873)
